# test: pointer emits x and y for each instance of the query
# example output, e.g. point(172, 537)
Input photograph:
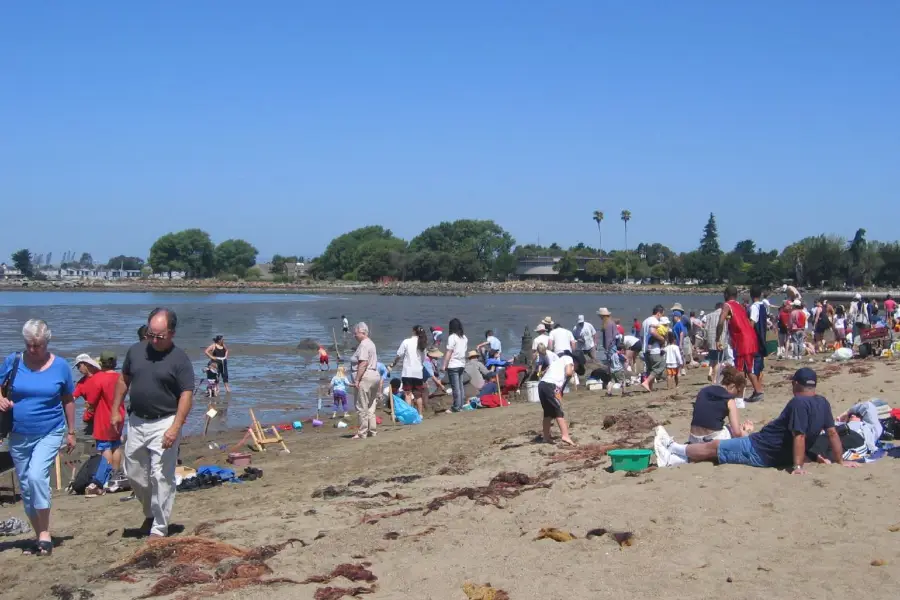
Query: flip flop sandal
point(44, 548)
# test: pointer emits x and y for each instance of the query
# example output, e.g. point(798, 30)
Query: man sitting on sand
point(785, 441)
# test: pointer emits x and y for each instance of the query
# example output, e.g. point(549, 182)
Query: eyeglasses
point(157, 336)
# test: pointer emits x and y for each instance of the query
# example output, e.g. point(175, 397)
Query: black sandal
point(40, 548)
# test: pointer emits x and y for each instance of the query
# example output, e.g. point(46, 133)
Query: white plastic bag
point(842, 354)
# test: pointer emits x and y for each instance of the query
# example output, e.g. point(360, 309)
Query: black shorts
point(551, 406)
point(410, 384)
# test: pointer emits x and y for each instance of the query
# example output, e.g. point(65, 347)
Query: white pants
point(151, 469)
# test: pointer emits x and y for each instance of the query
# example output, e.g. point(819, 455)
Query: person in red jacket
point(743, 339)
point(98, 391)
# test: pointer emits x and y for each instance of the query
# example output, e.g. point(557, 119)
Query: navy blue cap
point(805, 376)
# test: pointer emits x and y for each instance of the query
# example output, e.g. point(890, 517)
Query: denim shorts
point(739, 451)
point(101, 446)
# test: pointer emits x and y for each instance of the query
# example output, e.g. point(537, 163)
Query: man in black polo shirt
point(161, 381)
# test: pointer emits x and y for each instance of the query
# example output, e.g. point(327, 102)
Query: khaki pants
point(366, 399)
point(151, 469)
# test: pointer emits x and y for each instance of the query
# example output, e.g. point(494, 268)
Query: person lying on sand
point(859, 430)
point(550, 392)
point(783, 442)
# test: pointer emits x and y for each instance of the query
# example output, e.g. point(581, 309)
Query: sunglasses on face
point(157, 336)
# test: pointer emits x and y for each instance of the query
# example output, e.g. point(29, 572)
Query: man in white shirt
point(653, 344)
point(561, 341)
point(585, 336)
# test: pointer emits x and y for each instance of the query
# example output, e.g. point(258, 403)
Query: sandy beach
point(700, 531)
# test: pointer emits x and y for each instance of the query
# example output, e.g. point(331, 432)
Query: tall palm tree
point(598, 218)
point(626, 216)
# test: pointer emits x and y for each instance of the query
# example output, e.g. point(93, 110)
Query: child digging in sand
point(674, 360)
point(338, 387)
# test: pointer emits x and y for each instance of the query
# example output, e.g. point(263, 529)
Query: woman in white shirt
point(561, 341)
point(455, 362)
point(412, 353)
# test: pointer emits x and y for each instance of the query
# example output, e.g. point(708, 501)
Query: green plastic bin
point(630, 460)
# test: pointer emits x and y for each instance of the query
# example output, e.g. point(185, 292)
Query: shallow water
point(262, 331)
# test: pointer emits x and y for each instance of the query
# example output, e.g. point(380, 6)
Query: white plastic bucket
point(531, 391)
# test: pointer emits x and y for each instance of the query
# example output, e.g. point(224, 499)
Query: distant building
point(7, 272)
point(541, 267)
point(296, 270)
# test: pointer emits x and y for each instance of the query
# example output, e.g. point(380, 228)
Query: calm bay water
point(267, 371)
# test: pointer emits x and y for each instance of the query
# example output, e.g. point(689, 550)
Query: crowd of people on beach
point(139, 448)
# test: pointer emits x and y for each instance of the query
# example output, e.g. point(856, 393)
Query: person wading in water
point(218, 352)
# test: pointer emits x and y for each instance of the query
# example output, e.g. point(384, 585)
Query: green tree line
point(479, 250)
point(473, 250)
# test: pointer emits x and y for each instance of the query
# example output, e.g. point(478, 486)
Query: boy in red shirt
point(98, 391)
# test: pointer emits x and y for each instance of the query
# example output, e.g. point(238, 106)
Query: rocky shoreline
point(407, 288)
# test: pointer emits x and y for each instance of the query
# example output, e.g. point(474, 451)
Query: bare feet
point(568, 442)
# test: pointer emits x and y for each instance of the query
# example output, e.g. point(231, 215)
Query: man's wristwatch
point(71, 432)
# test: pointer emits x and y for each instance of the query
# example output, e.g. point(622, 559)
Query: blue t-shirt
point(680, 330)
point(339, 384)
point(37, 396)
point(382, 370)
point(808, 415)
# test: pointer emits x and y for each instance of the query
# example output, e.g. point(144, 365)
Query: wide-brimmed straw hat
point(677, 306)
point(86, 359)
point(435, 353)
point(547, 321)
point(603, 312)
point(471, 354)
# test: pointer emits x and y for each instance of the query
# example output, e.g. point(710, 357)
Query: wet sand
point(700, 531)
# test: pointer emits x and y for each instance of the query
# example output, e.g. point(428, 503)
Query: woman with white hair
point(366, 380)
point(37, 388)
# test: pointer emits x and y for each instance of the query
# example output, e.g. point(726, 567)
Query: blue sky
point(287, 123)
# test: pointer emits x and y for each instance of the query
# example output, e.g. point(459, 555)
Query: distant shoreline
point(391, 289)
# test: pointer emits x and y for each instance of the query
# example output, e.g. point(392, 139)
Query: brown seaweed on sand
point(474, 591)
point(207, 526)
point(357, 572)
point(864, 370)
point(505, 485)
point(372, 519)
point(552, 533)
point(182, 559)
point(458, 465)
point(585, 452)
point(334, 593)
point(630, 421)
